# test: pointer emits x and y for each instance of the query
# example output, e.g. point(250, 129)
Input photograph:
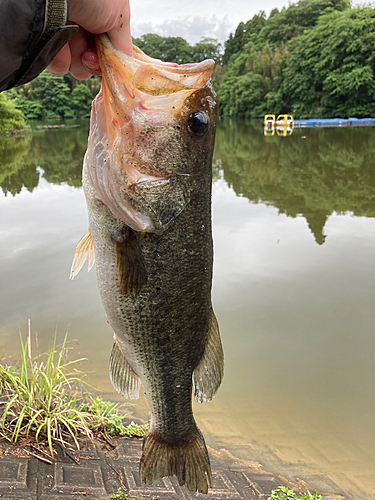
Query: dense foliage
point(50, 96)
point(337, 79)
point(12, 120)
point(177, 49)
point(312, 59)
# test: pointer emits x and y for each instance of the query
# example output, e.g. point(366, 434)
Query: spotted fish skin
point(147, 181)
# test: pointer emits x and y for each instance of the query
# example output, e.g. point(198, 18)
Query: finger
point(61, 63)
point(91, 62)
point(121, 39)
point(78, 45)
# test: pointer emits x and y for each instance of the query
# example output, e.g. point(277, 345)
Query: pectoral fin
point(131, 269)
point(84, 250)
point(208, 374)
point(123, 377)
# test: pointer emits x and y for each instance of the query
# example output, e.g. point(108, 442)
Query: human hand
point(93, 17)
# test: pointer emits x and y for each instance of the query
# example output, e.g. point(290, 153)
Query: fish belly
point(162, 331)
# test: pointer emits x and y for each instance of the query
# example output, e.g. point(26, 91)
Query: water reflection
point(319, 172)
point(324, 171)
point(13, 157)
point(314, 174)
point(57, 152)
point(296, 318)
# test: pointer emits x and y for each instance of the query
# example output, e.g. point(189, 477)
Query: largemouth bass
point(147, 182)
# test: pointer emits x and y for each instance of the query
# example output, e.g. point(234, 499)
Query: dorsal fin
point(84, 250)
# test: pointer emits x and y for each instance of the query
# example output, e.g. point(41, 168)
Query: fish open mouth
point(137, 78)
point(141, 100)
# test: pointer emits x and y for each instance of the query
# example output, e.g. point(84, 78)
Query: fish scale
point(147, 182)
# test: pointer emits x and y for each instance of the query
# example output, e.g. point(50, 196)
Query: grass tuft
point(284, 493)
point(105, 417)
point(42, 399)
point(120, 495)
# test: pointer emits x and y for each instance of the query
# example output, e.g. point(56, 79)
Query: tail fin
point(187, 460)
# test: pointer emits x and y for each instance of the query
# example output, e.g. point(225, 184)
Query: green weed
point(105, 417)
point(283, 493)
point(120, 495)
point(39, 397)
point(43, 398)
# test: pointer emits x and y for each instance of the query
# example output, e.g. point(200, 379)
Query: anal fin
point(131, 269)
point(123, 377)
point(208, 374)
point(84, 250)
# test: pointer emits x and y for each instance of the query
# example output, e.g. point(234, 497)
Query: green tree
point(250, 87)
point(177, 49)
point(243, 34)
point(207, 48)
point(315, 59)
point(169, 49)
point(243, 96)
point(11, 119)
point(331, 70)
point(54, 95)
point(81, 100)
point(292, 21)
point(50, 96)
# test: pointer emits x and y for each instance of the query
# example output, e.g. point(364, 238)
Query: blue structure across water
point(335, 122)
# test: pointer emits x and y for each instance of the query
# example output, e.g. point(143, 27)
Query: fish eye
point(199, 123)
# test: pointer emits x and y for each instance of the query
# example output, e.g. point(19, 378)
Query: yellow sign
point(283, 125)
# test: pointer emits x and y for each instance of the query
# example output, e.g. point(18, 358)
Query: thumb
point(121, 38)
point(120, 35)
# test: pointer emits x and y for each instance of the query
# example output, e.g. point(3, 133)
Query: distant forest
point(314, 58)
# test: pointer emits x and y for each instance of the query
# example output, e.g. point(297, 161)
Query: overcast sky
point(193, 19)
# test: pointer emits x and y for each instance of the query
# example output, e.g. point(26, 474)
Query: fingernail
point(90, 66)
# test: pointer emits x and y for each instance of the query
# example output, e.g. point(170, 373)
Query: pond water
point(293, 290)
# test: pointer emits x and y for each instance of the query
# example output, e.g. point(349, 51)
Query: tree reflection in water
point(58, 152)
point(313, 173)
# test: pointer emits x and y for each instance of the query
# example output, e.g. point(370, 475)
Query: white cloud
point(195, 18)
point(192, 28)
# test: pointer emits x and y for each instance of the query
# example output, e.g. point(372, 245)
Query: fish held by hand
point(147, 181)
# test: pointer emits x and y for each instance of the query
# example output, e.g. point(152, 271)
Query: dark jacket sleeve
point(32, 32)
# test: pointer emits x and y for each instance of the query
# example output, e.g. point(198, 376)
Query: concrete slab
point(99, 470)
